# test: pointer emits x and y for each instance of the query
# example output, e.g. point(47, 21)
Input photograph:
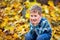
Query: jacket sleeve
point(47, 28)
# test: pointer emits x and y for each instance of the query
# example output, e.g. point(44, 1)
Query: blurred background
point(14, 17)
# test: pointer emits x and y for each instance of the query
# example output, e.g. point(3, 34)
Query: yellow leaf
point(52, 14)
point(27, 14)
point(51, 3)
point(15, 35)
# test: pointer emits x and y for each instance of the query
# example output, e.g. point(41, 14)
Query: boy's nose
point(34, 20)
point(33, 17)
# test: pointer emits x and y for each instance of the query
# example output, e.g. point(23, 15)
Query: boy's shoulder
point(43, 22)
point(43, 19)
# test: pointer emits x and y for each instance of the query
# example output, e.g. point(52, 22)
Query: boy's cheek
point(31, 20)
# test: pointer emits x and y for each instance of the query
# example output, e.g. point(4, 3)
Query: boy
point(39, 27)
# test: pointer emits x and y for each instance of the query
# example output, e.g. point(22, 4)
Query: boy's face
point(35, 18)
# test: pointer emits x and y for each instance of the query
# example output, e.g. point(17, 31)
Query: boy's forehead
point(33, 11)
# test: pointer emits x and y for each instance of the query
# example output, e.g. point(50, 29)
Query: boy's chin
point(35, 24)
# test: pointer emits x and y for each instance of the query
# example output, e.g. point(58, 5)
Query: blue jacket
point(41, 28)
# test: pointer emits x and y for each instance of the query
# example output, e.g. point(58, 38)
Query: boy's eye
point(35, 15)
point(31, 15)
